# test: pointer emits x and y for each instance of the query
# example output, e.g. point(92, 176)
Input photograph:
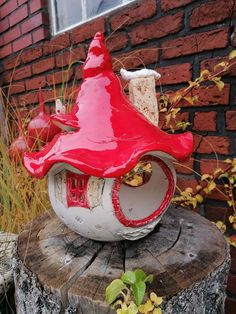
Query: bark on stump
point(58, 271)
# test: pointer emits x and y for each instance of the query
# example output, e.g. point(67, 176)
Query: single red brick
point(184, 167)
point(156, 29)
point(40, 34)
point(212, 12)
point(216, 213)
point(31, 54)
point(230, 305)
point(7, 8)
point(209, 95)
point(231, 120)
point(117, 41)
point(4, 24)
point(212, 144)
point(132, 13)
point(210, 165)
point(195, 43)
point(5, 51)
point(36, 82)
point(210, 65)
point(29, 98)
point(86, 31)
point(70, 56)
point(167, 5)
point(21, 73)
point(18, 15)
point(12, 63)
point(174, 74)
point(205, 121)
point(36, 5)
point(33, 22)
point(16, 88)
point(43, 65)
point(59, 77)
point(58, 43)
point(231, 286)
point(136, 58)
point(48, 95)
point(22, 42)
point(12, 34)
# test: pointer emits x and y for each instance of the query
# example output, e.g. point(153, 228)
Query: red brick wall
point(176, 37)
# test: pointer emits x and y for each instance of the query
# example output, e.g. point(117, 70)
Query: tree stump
point(58, 271)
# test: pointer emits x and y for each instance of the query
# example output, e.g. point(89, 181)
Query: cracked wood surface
point(72, 272)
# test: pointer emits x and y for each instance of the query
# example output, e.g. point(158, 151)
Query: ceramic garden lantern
point(106, 137)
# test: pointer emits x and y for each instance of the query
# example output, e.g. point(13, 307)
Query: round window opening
point(141, 196)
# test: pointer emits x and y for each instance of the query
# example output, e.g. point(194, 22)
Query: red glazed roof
point(111, 135)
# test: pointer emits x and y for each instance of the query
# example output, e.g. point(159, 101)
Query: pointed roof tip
point(98, 58)
point(99, 35)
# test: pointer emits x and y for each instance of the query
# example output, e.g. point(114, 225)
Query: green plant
point(127, 294)
point(22, 197)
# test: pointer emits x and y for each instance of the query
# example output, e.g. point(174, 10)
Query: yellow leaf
point(205, 177)
point(174, 112)
point(205, 73)
point(189, 190)
point(211, 186)
point(199, 198)
point(234, 226)
point(222, 64)
point(123, 309)
point(231, 219)
point(232, 54)
point(157, 311)
point(217, 171)
point(198, 187)
point(219, 84)
point(189, 100)
point(157, 300)
point(228, 161)
point(177, 97)
point(221, 226)
point(146, 307)
point(234, 168)
point(230, 203)
point(167, 118)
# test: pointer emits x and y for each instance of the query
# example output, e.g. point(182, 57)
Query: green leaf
point(113, 290)
point(149, 279)
point(140, 275)
point(139, 289)
point(128, 277)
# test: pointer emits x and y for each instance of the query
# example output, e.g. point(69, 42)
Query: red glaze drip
point(41, 128)
point(20, 145)
point(111, 135)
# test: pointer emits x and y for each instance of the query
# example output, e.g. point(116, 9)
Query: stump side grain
point(59, 271)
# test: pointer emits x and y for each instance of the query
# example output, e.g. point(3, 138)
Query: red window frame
point(76, 189)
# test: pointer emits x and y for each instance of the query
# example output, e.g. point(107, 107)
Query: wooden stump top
point(182, 250)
